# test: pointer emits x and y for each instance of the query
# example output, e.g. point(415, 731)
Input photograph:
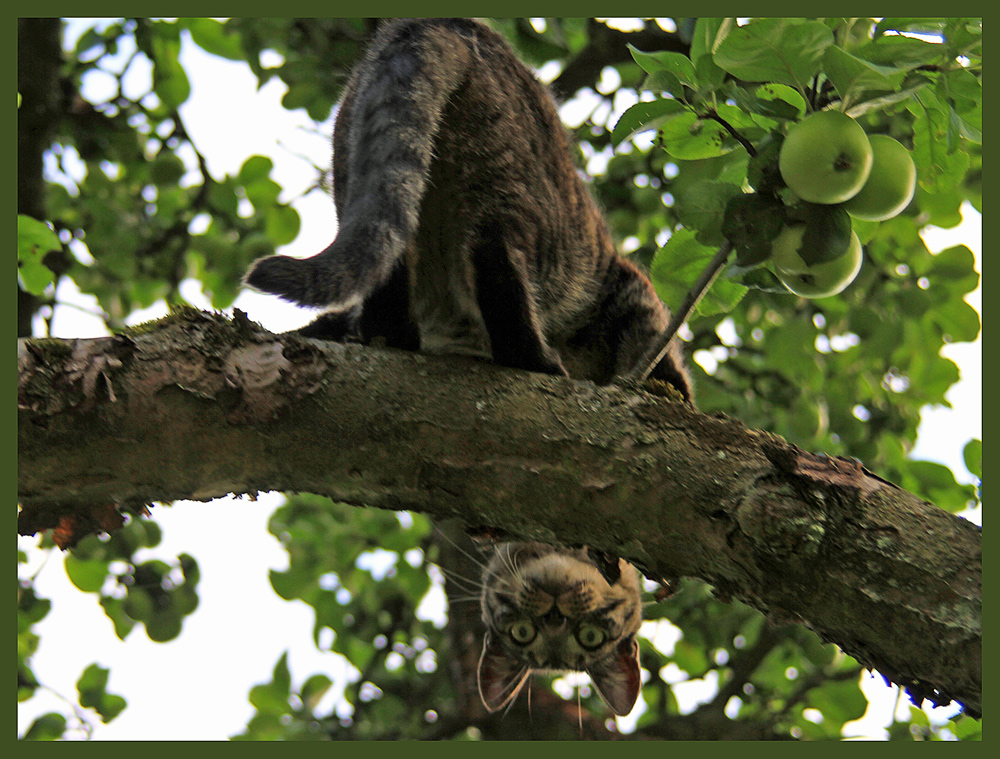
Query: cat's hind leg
point(384, 314)
point(508, 310)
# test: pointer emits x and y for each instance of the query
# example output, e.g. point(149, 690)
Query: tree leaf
point(898, 24)
point(708, 33)
point(254, 169)
point(702, 205)
point(215, 37)
point(92, 687)
point(851, 75)
point(643, 116)
point(675, 63)
point(35, 240)
point(876, 103)
point(282, 224)
point(170, 80)
point(778, 101)
point(775, 50)
point(314, 689)
point(839, 701)
point(689, 137)
point(828, 232)
point(900, 52)
point(679, 263)
point(751, 222)
point(664, 82)
point(88, 576)
point(973, 456)
point(48, 727)
point(938, 167)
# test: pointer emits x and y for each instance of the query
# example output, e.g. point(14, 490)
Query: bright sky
point(196, 686)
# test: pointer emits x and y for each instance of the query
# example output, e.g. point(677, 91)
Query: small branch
point(747, 145)
point(743, 665)
point(608, 47)
point(659, 349)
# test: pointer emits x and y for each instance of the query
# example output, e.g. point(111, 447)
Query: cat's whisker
point(477, 561)
point(464, 599)
point(525, 677)
point(579, 710)
point(511, 562)
point(465, 583)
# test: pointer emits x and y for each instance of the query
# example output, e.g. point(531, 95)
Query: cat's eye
point(522, 632)
point(590, 636)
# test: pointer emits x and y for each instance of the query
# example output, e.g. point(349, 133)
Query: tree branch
point(659, 347)
point(197, 406)
point(607, 47)
point(39, 56)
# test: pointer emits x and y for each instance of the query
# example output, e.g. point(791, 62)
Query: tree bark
point(197, 406)
point(39, 57)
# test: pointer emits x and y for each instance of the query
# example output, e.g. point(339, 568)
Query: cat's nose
point(554, 618)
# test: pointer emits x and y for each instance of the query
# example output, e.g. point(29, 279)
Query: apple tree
point(774, 175)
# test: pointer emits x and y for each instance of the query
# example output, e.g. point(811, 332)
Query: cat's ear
point(500, 678)
point(616, 678)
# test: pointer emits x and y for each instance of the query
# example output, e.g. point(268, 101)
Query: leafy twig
point(659, 348)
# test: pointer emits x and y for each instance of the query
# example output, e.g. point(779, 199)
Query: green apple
point(890, 185)
point(825, 158)
point(817, 280)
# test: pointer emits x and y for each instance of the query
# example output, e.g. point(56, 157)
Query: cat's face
point(552, 609)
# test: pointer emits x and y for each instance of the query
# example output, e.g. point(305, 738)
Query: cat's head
point(551, 609)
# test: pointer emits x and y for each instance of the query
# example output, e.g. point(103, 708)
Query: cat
point(464, 225)
point(550, 609)
point(466, 228)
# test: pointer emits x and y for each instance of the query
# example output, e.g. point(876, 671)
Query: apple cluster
point(827, 159)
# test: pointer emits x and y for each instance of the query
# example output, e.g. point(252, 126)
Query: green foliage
point(34, 241)
point(371, 609)
point(134, 209)
point(133, 189)
point(91, 686)
point(155, 593)
point(30, 610)
point(682, 256)
point(844, 64)
point(49, 727)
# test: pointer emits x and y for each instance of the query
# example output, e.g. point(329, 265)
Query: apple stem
point(659, 347)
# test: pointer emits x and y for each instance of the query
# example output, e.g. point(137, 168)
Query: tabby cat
point(548, 608)
point(465, 227)
point(464, 224)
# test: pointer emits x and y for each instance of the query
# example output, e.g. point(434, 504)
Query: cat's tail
point(390, 116)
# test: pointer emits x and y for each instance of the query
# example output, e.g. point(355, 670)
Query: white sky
point(196, 686)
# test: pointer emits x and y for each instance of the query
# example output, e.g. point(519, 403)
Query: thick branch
point(202, 406)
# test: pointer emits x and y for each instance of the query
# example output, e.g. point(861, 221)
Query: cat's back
point(496, 152)
point(499, 139)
